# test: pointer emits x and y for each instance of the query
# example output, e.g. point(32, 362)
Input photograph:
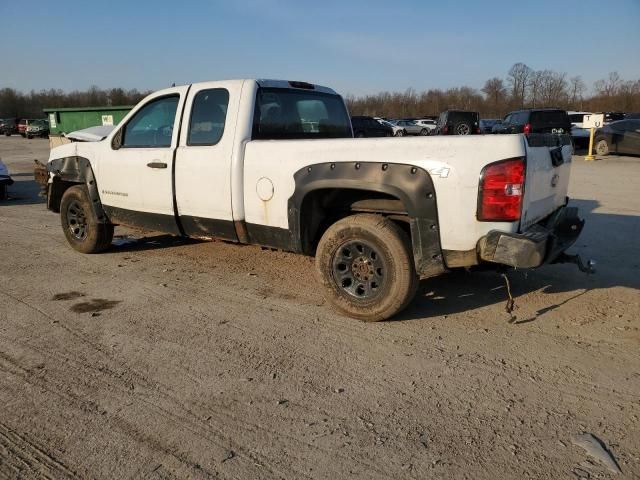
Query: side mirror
point(116, 142)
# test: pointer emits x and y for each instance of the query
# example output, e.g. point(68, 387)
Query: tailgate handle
point(556, 156)
point(157, 165)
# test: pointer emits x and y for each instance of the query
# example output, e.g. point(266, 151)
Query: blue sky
point(353, 46)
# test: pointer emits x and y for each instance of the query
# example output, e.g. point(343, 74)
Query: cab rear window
point(285, 113)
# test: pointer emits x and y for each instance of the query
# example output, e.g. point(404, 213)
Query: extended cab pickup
point(274, 163)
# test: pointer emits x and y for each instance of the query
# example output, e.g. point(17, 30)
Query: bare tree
point(576, 90)
point(610, 86)
point(518, 79)
point(496, 92)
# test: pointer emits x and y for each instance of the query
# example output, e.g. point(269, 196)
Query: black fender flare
point(74, 170)
point(412, 185)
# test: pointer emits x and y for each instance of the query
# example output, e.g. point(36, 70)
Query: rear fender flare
point(412, 185)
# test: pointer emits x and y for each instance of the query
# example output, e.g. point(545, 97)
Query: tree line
point(523, 87)
point(29, 105)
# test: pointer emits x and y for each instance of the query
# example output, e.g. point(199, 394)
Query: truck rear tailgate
point(547, 176)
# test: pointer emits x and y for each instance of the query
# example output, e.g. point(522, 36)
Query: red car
point(23, 124)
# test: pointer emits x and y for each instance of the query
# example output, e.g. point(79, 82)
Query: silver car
point(409, 127)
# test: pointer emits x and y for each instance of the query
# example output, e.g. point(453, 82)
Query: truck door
point(134, 173)
point(203, 160)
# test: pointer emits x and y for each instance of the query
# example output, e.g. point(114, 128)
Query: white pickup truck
point(273, 163)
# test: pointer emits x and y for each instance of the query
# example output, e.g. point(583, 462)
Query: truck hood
point(91, 134)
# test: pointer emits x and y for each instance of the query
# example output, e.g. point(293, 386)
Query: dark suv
point(541, 120)
point(458, 122)
point(8, 126)
point(369, 127)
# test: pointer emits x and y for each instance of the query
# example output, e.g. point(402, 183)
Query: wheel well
point(57, 189)
point(322, 208)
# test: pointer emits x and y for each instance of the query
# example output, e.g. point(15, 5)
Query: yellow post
point(589, 155)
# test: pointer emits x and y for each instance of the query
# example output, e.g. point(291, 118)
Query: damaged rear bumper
point(544, 242)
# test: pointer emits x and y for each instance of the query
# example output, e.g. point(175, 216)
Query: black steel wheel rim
point(77, 220)
point(359, 270)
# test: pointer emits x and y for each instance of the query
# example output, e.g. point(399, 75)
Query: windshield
point(286, 113)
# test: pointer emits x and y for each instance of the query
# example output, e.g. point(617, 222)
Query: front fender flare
point(77, 170)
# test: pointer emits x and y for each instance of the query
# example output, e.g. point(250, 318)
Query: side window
point(208, 116)
point(152, 125)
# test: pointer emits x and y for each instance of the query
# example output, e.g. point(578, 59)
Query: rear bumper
point(540, 244)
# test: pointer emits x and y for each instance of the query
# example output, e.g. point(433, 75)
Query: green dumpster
point(66, 120)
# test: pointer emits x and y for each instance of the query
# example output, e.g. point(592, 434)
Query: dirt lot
point(165, 358)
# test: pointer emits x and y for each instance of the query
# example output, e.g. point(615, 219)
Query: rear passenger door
point(203, 160)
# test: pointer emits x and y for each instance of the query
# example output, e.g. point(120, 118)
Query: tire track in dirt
point(22, 457)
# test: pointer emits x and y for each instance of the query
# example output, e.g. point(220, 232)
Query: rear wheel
point(400, 133)
point(602, 147)
point(424, 132)
point(366, 265)
point(360, 135)
point(3, 191)
point(462, 129)
point(79, 222)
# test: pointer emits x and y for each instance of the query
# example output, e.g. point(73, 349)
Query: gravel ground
point(165, 358)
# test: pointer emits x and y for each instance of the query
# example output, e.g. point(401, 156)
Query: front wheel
point(602, 147)
point(424, 132)
point(366, 265)
point(80, 224)
point(399, 133)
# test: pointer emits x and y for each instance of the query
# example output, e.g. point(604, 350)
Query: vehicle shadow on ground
point(147, 241)
point(24, 191)
point(611, 239)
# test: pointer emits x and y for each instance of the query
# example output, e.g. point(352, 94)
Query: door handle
point(157, 165)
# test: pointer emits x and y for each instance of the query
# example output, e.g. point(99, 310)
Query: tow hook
point(587, 268)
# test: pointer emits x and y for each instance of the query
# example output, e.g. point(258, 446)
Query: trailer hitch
point(587, 268)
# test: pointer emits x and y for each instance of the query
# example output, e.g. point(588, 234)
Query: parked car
point(613, 117)
point(369, 127)
point(541, 120)
point(5, 180)
point(23, 123)
point(486, 124)
point(394, 128)
point(8, 126)
point(409, 127)
point(37, 128)
point(428, 123)
point(618, 137)
point(579, 134)
point(378, 216)
point(458, 122)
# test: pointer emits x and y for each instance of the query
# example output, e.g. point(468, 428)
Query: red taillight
point(501, 191)
point(527, 129)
